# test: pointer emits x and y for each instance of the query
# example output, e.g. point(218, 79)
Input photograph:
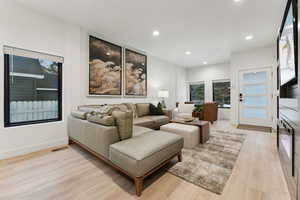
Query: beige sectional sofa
point(116, 136)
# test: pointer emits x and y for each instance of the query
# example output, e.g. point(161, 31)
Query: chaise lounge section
point(134, 150)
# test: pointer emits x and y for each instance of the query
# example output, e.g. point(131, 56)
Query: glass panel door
point(255, 97)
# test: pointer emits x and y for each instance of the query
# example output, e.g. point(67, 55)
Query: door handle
point(241, 97)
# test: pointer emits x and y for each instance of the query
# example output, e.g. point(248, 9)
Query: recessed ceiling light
point(249, 37)
point(204, 63)
point(108, 54)
point(237, 1)
point(155, 33)
point(188, 53)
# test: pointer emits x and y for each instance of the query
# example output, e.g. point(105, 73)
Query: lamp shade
point(163, 94)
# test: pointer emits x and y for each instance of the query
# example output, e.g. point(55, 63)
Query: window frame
point(213, 91)
point(7, 122)
point(196, 83)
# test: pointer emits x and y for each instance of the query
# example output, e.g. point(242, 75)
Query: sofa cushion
point(139, 155)
point(143, 109)
point(159, 119)
point(79, 114)
point(124, 122)
point(144, 121)
point(105, 120)
point(138, 130)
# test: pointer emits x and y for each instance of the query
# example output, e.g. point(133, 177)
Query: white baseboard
point(33, 148)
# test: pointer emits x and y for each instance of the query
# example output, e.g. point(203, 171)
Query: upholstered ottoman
point(191, 134)
point(141, 155)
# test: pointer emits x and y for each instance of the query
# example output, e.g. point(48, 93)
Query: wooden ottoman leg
point(138, 185)
point(71, 141)
point(179, 156)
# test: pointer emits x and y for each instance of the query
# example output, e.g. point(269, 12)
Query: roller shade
point(32, 54)
point(221, 81)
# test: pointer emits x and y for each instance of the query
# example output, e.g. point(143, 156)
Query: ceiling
point(210, 29)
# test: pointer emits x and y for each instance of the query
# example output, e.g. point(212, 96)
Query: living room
point(188, 54)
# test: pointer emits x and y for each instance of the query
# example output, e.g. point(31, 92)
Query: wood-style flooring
point(73, 174)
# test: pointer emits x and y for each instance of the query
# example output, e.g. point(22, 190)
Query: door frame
point(270, 68)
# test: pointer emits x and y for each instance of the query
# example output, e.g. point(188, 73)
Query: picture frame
point(105, 68)
point(135, 74)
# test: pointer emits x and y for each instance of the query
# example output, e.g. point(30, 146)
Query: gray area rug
point(210, 165)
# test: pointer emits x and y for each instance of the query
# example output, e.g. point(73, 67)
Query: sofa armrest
point(95, 136)
point(168, 113)
point(99, 137)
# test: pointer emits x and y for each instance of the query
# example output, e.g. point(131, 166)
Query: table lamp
point(163, 94)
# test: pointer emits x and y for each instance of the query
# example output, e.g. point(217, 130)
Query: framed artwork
point(105, 68)
point(135, 74)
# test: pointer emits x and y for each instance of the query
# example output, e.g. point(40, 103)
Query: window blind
point(221, 81)
point(32, 54)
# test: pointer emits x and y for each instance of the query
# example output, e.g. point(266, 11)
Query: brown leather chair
point(210, 112)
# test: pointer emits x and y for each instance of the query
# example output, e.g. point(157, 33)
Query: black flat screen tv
point(287, 45)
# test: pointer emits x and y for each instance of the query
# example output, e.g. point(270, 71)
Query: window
point(197, 93)
point(221, 93)
point(33, 87)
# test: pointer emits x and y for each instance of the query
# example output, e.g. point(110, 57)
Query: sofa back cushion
point(105, 120)
point(124, 122)
point(143, 109)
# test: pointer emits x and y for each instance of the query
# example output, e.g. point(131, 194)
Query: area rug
point(210, 165)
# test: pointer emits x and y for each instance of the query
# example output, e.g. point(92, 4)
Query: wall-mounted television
point(287, 45)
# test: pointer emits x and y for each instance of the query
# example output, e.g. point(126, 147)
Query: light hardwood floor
point(73, 174)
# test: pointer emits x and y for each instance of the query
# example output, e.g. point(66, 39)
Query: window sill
point(224, 107)
point(17, 124)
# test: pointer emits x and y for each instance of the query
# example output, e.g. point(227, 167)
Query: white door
point(255, 97)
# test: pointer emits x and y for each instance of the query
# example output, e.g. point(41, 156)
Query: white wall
point(208, 74)
point(160, 75)
point(24, 28)
point(254, 58)
point(181, 85)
